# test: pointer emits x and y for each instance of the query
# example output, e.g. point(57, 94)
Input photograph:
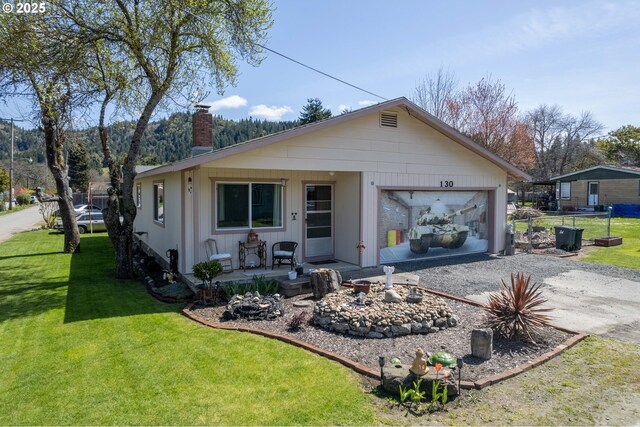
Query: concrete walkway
point(16, 222)
point(594, 303)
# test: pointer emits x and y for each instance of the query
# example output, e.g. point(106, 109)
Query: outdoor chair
point(225, 259)
point(284, 253)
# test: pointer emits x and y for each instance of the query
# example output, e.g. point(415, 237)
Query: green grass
point(625, 255)
point(78, 347)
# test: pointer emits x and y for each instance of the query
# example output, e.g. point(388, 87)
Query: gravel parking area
point(479, 273)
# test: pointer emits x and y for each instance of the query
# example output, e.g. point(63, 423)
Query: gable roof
point(412, 109)
point(600, 172)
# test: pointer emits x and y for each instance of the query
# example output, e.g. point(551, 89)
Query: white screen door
point(318, 220)
point(593, 194)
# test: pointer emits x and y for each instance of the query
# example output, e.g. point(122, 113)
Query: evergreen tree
point(78, 162)
point(313, 112)
point(4, 180)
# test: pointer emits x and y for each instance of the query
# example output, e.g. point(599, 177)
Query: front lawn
point(78, 347)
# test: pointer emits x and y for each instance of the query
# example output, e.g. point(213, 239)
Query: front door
point(318, 221)
point(593, 194)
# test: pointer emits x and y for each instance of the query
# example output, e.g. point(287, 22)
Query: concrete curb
point(365, 370)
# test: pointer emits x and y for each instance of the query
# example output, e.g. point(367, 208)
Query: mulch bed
point(507, 354)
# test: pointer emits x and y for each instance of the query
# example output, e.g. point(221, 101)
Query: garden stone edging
point(365, 370)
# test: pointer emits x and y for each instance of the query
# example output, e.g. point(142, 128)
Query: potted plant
point(207, 271)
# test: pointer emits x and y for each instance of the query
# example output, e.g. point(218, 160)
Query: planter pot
point(293, 275)
point(361, 286)
point(299, 271)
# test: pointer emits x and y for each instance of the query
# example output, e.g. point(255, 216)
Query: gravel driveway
point(586, 297)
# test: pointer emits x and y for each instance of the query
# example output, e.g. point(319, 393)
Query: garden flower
point(438, 366)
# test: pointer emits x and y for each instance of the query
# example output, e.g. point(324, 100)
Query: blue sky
point(581, 55)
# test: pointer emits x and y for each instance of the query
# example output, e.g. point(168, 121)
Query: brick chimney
point(202, 129)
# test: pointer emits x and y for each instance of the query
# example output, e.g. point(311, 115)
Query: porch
point(287, 287)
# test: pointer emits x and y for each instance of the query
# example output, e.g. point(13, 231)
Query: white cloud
point(366, 103)
point(233, 101)
point(272, 113)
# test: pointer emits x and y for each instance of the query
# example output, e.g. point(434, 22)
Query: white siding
point(159, 237)
point(365, 159)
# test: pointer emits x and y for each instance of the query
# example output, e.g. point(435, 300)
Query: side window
point(158, 202)
point(139, 195)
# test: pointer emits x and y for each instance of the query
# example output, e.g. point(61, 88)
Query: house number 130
point(446, 183)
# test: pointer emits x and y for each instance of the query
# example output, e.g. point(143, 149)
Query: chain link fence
point(541, 232)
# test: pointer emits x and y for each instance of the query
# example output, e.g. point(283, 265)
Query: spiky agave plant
point(515, 312)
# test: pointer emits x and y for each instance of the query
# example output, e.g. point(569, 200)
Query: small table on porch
point(258, 248)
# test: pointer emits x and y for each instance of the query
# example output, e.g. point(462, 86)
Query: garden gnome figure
point(419, 365)
point(388, 270)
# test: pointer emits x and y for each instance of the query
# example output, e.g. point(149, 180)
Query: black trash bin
point(578, 239)
point(565, 237)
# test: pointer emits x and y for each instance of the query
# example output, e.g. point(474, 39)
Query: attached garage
point(383, 184)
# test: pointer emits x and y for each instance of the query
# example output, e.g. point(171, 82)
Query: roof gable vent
point(388, 119)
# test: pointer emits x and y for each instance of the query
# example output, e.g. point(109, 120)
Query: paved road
point(16, 222)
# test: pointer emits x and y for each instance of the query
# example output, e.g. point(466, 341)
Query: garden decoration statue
point(388, 270)
point(419, 365)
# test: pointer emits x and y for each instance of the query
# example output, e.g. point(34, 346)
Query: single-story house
point(598, 186)
point(382, 184)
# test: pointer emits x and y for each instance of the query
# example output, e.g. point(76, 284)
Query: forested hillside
point(166, 140)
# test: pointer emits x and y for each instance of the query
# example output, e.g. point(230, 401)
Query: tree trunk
point(121, 199)
point(324, 281)
point(54, 147)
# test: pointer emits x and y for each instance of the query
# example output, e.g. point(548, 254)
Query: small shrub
point(515, 312)
point(207, 270)
point(23, 199)
point(298, 321)
point(265, 286)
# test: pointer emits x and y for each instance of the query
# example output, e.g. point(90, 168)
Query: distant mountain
point(166, 140)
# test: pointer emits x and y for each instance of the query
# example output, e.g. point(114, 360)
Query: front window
point(248, 205)
point(158, 202)
point(565, 190)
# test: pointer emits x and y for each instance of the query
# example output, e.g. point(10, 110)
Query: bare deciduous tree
point(558, 138)
point(437, 93)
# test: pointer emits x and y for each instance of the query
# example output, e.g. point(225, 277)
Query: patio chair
point(225, 259)
point(284, 253)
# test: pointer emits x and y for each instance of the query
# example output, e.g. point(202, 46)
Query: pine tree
point(78, 162)
point(313, 112)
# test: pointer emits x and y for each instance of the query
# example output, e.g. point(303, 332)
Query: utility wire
point(296, 61)
point(321, 72)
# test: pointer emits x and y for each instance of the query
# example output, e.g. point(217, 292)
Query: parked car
point(86, 222)
point(80, 209)
point(34, 199)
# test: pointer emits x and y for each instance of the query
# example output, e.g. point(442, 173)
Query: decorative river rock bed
point(383, 313)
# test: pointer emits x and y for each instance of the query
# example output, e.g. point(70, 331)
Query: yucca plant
point(515, 312)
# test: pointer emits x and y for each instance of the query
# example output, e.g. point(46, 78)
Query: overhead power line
point(298, 62)
point(321, 72)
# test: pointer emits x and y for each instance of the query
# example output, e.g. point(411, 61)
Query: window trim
point(569, 192)
point(156, 185)
point(249, 181)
